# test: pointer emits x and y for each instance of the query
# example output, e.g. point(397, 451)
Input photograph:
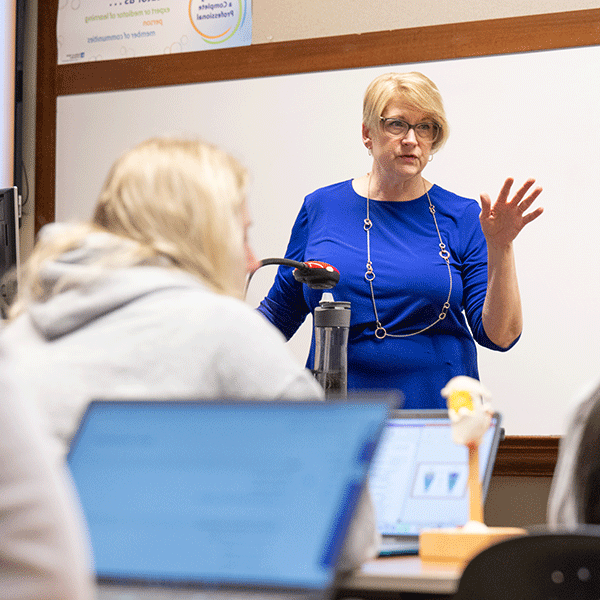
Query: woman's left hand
point(502, 221)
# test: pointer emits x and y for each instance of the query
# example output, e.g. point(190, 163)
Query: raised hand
point(502, 221)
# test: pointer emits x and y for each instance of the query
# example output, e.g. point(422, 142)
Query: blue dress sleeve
point(474, 276)
point(284, 306)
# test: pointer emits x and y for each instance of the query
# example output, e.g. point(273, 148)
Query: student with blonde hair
point(145, 299)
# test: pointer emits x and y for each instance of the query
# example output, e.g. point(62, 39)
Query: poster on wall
point(91, 30)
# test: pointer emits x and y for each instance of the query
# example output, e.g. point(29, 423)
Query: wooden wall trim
point(527, 456)
point(45, 115)
point(420, 44)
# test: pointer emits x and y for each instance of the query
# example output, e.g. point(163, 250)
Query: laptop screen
point(419, 476)
point(249, 493)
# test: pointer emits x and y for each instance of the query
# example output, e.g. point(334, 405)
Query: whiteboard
point(521, 115)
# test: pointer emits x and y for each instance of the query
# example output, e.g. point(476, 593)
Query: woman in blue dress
point(428, 273)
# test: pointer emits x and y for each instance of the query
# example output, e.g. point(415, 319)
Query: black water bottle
point(332, 323)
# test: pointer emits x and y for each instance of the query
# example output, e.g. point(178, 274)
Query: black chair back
point(544, 565)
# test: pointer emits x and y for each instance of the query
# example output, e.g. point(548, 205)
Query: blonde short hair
point(414, 89)
point(182, 201)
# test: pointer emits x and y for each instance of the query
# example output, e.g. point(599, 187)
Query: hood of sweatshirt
point(99, 276)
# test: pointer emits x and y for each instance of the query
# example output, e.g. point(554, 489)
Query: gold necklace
point(380, 331)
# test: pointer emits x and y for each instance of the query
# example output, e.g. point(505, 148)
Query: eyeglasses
point(427, 131)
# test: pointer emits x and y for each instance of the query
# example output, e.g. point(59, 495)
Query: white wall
point(298, 19)
point(534, 114)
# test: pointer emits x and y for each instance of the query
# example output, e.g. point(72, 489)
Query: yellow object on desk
point(457, 546)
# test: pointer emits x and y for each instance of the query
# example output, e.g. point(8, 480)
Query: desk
point(400, 577)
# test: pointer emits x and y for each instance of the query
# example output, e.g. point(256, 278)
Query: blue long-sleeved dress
point(411, 286)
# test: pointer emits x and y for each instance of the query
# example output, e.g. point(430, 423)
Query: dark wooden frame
point(518, 455)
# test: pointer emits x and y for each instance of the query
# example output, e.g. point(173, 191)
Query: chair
point(544, 565)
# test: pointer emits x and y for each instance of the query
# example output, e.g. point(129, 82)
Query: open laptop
point(204, 499)
point(418, 477)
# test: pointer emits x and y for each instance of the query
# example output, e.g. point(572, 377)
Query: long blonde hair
point(180, 200)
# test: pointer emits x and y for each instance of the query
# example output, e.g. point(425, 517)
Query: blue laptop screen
point(202, 492)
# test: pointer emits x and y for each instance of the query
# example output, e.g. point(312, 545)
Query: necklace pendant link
point(368, 224)
point(370, 274)
point(445, 310)
point(380, 332)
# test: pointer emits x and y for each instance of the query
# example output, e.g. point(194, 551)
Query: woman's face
point(401, 157)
